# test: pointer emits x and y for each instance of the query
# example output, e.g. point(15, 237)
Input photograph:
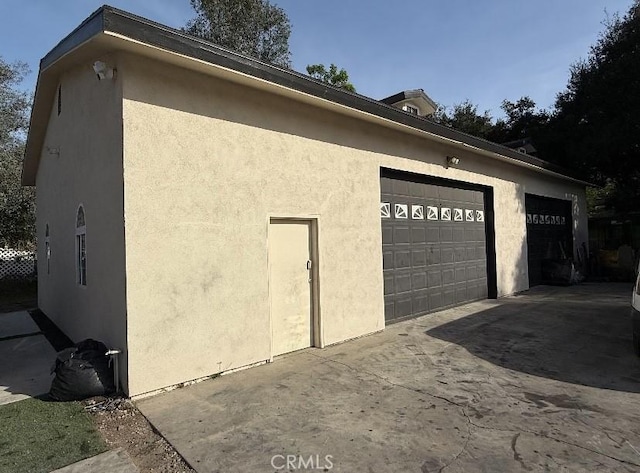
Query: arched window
point(47, 248)
point(81, 247)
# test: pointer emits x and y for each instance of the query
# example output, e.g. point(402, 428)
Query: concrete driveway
point(544, 381)
point(26, 357)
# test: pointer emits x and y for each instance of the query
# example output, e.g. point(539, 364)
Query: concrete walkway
point(26, 358)
point(113, 461)
point(544, 381)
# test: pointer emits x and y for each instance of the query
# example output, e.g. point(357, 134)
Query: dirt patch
point(121, 424)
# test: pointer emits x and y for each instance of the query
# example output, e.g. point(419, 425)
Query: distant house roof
point(523, 145)
point(109, 29)
point(414, 94)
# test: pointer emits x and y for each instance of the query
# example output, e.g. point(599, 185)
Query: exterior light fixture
point(452, 161)
point(103, 71)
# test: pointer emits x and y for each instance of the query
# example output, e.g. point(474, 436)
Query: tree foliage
point(464, 117)
point(332, 76)
point(522, 120)
point(595, 127)
point(255, 28)
point(17, 203)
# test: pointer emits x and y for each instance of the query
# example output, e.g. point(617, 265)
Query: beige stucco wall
point(88, 171)
point(206, 162)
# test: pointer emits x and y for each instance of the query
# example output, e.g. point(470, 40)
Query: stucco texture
point(87, 171)
point(207, 162)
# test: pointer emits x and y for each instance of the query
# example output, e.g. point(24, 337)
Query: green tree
point(465, 117)
point(522, 120)
point(255, 28)
point(333, 76)
point(17, 203)
point(595, 127)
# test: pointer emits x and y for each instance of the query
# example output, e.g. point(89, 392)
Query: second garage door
point(549, 234)
point(434, 246)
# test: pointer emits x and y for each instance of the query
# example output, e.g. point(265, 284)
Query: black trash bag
point(82, 371)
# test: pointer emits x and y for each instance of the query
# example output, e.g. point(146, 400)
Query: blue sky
point(455, 50)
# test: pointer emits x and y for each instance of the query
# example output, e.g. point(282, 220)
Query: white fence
point(17, 264)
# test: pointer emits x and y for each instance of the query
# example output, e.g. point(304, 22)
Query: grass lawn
point(38, 436)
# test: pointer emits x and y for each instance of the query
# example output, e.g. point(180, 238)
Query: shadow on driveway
point(579, 335)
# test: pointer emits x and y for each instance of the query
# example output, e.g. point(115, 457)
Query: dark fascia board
point(110, 19)
point(395, 98)
point(85, 31)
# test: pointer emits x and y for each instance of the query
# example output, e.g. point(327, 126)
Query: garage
point(434, 243)
point(549, 234)
point(302, 215)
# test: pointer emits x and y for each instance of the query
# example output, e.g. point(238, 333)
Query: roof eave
point(130, 27)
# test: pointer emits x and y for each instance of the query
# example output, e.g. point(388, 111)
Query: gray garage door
point(433, 245)
point(549, 235)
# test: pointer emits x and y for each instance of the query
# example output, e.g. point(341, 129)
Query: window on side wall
point(47, 248)
point(81, 247)
point(410, 109)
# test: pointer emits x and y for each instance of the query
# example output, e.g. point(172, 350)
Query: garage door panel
point(448, 276)
point(433, 256)
point(389, 287)
point(420, 302)
point(387, 259)
point(434, 278)
point(403, 307)
point(418, 235)
point(416, 190)
point(419, 258)
point(402, 259)
point(402, 283)
point(459, 254)
point(387, 235)
point(386, 185)
point(471, 234)
point(448, 297)
point(446, 234)
point(458, 235)
point(401, 235)
point(389, 309)
point(446, 255)
point(483, 289)
point(400, 187)
point(435, 301)
point(434, 249)
point(419, 281)
point(433, 235)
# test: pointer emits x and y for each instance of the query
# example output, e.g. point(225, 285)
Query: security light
point(103, 71)
point(452, 161)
